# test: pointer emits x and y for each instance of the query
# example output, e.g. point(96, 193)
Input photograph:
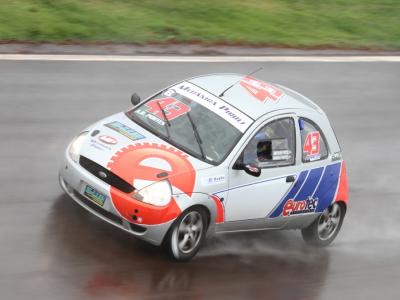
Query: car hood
point(138, 156)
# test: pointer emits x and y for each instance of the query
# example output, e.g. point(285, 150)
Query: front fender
point(213, 205)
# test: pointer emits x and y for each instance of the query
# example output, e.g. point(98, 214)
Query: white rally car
point(211, 154)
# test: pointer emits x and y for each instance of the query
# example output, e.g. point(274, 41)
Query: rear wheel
point(187, 234)
point(326, 227)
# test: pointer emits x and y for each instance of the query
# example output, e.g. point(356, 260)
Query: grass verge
point(302, 23)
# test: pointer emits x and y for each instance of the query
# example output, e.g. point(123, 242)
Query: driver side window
point(273, 145)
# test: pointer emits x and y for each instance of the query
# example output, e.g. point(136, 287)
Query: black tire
point(324, 230)
point(183, 229)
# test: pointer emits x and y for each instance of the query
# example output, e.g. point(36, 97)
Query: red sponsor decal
point(261, 90)
point(128, 163)
point(311, 145)
point(108, 139)
point(299, 207)
point(172, 108)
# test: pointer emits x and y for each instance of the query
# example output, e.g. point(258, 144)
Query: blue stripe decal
point(296, 187)
point(310, 185)
point(327, 188)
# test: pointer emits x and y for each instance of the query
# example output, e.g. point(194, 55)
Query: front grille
point(98, 209)
point(111, 178)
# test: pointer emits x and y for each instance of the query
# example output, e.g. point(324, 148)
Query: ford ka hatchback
point(211, 154)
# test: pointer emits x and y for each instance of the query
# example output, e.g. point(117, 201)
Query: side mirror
point(252, 170)
point(135, 99)
point(248, 168)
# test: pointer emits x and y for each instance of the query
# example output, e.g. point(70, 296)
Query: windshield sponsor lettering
point(229, 113)
point(197, 93)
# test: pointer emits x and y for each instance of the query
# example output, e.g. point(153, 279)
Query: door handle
point(290, 178)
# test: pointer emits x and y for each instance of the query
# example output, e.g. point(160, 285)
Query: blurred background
point(50, 248)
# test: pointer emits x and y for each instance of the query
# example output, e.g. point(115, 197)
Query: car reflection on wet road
point(115, 264)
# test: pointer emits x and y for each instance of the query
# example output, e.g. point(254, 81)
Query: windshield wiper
point(196, 135)
point(166, 123)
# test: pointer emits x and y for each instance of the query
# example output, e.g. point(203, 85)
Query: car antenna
point(251, 73)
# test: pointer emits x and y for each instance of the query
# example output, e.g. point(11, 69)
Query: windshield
point(181, 115)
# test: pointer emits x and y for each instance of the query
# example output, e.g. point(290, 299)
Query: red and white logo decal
point(261, 90)
point(108, 139)
point(140, 163)
point(172, 107)
point(311, 145)
point(299, 207)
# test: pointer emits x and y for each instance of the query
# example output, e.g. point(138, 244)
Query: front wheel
point(187, 234)
point(326, 227)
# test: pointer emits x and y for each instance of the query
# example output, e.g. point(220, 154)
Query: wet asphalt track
point(50, 248)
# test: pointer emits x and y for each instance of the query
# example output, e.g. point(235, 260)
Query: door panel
point(310, 184)
point(295, 188)
point(256, 198)
point(272, 148)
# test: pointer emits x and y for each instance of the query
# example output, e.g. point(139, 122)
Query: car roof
point(244, 100)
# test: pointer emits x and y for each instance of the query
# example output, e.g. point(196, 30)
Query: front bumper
point(73, 179)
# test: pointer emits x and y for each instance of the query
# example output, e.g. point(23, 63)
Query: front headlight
point(158, 194)
point(76, 146)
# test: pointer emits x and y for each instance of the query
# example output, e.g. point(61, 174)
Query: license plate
point(94, 195)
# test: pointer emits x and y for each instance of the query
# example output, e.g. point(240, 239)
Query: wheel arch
point(201, 206)
point(344, 204)
point(206, 202)
point(205, 208)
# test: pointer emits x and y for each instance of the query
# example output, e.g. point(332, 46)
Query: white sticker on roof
point(215, 104)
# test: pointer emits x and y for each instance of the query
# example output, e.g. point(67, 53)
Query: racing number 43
point(311, 145)
point(172, 108)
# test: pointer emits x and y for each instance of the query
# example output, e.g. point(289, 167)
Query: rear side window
point(313, 142)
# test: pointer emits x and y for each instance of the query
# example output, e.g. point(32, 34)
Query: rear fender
point(342, 194)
